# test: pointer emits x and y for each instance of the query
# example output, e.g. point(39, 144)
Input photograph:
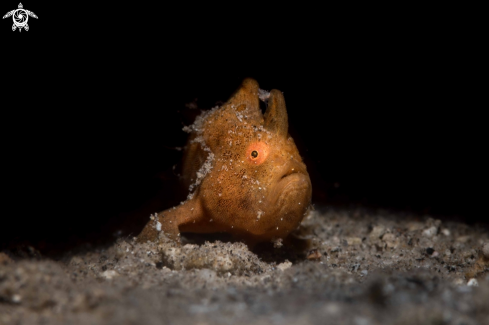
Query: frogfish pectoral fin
point(169, 221)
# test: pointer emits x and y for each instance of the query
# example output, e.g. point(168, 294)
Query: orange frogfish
point(244, 173)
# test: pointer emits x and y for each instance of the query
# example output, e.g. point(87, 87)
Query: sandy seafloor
point(351, 266)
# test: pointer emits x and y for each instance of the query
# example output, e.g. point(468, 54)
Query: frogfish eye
point(257, 153)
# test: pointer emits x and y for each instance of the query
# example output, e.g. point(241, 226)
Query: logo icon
point(20, 17)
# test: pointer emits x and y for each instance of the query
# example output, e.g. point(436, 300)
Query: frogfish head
point(250, 177)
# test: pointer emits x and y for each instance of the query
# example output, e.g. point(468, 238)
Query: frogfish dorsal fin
point(246, 98)
point(276, 119)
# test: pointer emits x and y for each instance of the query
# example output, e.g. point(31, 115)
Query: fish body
point(244, 173)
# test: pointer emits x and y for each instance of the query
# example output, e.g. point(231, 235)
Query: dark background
point(385, 112)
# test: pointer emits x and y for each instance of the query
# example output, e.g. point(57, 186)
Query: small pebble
point(463, 239)
point(390, 240)
point(473, 283)
point(16, 298)
point(277, 243)
point(284, 266)
point(377, 232)
point(430, 232)
point(485, 250)
point(354, 240)
point(109, 274)
point(314, 254)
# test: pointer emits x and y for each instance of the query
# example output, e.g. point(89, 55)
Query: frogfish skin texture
point(244, 173)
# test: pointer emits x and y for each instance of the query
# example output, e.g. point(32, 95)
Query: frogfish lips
point(291, 196)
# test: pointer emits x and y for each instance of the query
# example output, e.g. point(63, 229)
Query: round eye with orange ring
point(257, 153)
